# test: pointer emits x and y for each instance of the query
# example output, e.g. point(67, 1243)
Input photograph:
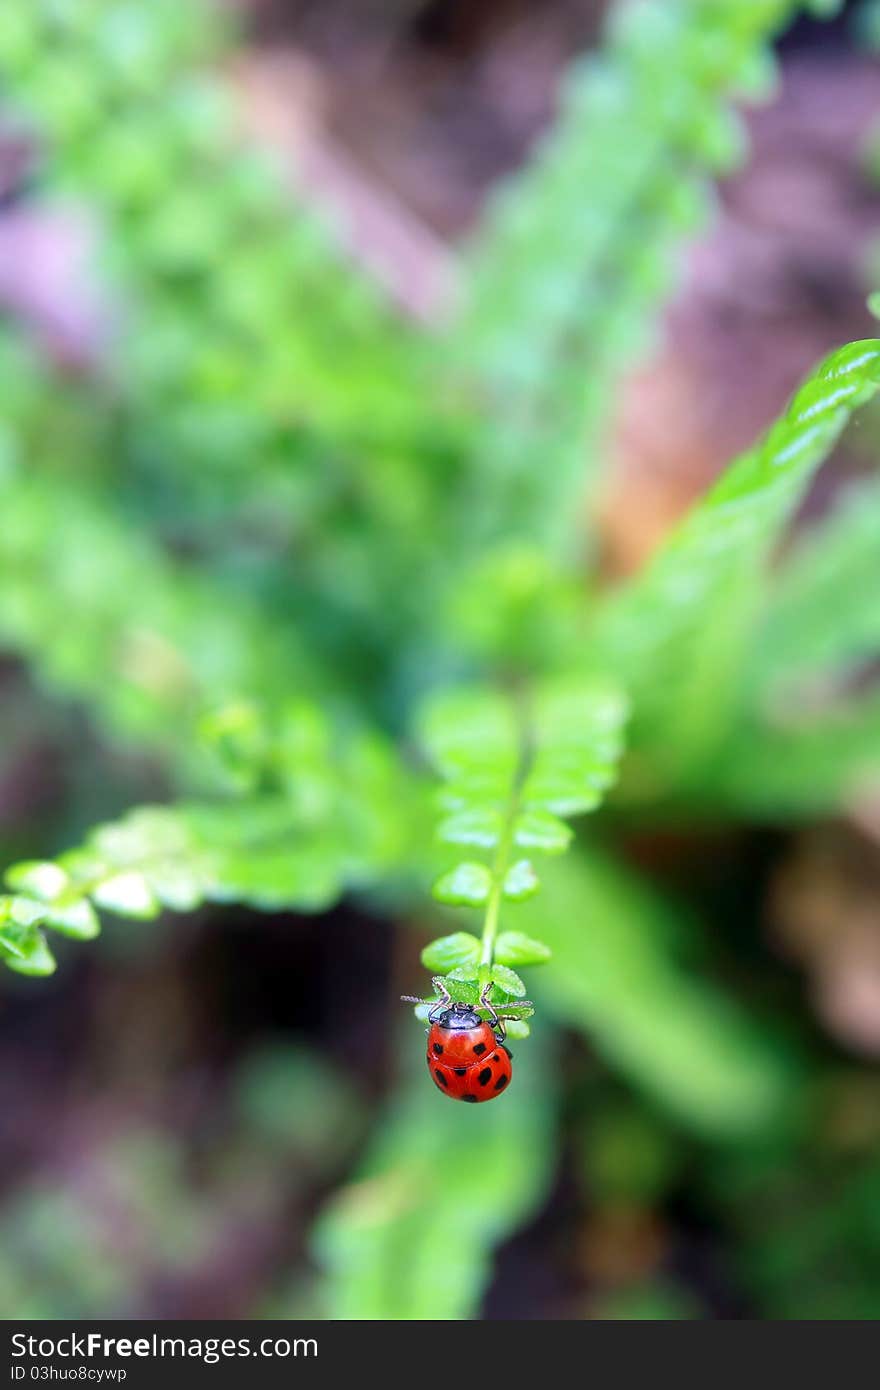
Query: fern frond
point(580, 247)
point(515, 767)
point(676, 634)
point(181, 202)
point(69, 571)
point(803, 741)
point(320, 818)
point(247, 336)
point(822, 614)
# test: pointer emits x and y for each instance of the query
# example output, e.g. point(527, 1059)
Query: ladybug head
point(459, 1016)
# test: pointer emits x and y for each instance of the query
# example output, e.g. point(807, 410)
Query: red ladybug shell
point(465, 1059)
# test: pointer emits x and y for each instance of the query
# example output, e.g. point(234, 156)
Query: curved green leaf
point(467, 885)
point(677, 633)
point(543, 831)
point(447, 953)
point(337, 820)
point(515, 948)
point(822, 614)
point(520, 882)
point(508, 980)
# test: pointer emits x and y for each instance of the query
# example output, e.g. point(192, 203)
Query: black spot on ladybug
point(472, 1099)
point(485, 1076)
point(459, 1071)
point(438, 1048)
point(479, 1048)
point(494, 1057)
point(501, 1083)
point(440, 1077)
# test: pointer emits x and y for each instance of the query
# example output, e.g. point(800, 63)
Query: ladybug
point(466, 1055)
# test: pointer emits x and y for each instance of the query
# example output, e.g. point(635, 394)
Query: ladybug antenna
point(439, 985)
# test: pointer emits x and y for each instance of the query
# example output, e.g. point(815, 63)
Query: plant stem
point(501, 862)
point(500, 866)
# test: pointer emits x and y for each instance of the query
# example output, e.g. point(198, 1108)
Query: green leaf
point(467, 885)
point(471, 737)
point(677, 633)
point(127, 893)
point(277, 876)
point(460, 950)
point(543, 831)
point(36, 959)
point(463, 984)
point(515, 948)
point(520, 882)
point(566, 734)
point(23, 947)
point(54, 901)
point(508, 980)
point(279, 849)
point(77, 919)
point(811, 627)
point(512, 764)
point(805, 740)
point(578, 744)
point(474, 737)
point(9, 944)
point(478, 825)
point(23, 912)
point(38, 878)
point(142, 669)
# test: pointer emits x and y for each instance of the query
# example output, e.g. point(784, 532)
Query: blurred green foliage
point(412, 1237)
point(278, 538)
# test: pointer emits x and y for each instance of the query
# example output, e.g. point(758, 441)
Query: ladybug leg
point(498, 1019)
point(494, 1018)
point(443, 1002)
